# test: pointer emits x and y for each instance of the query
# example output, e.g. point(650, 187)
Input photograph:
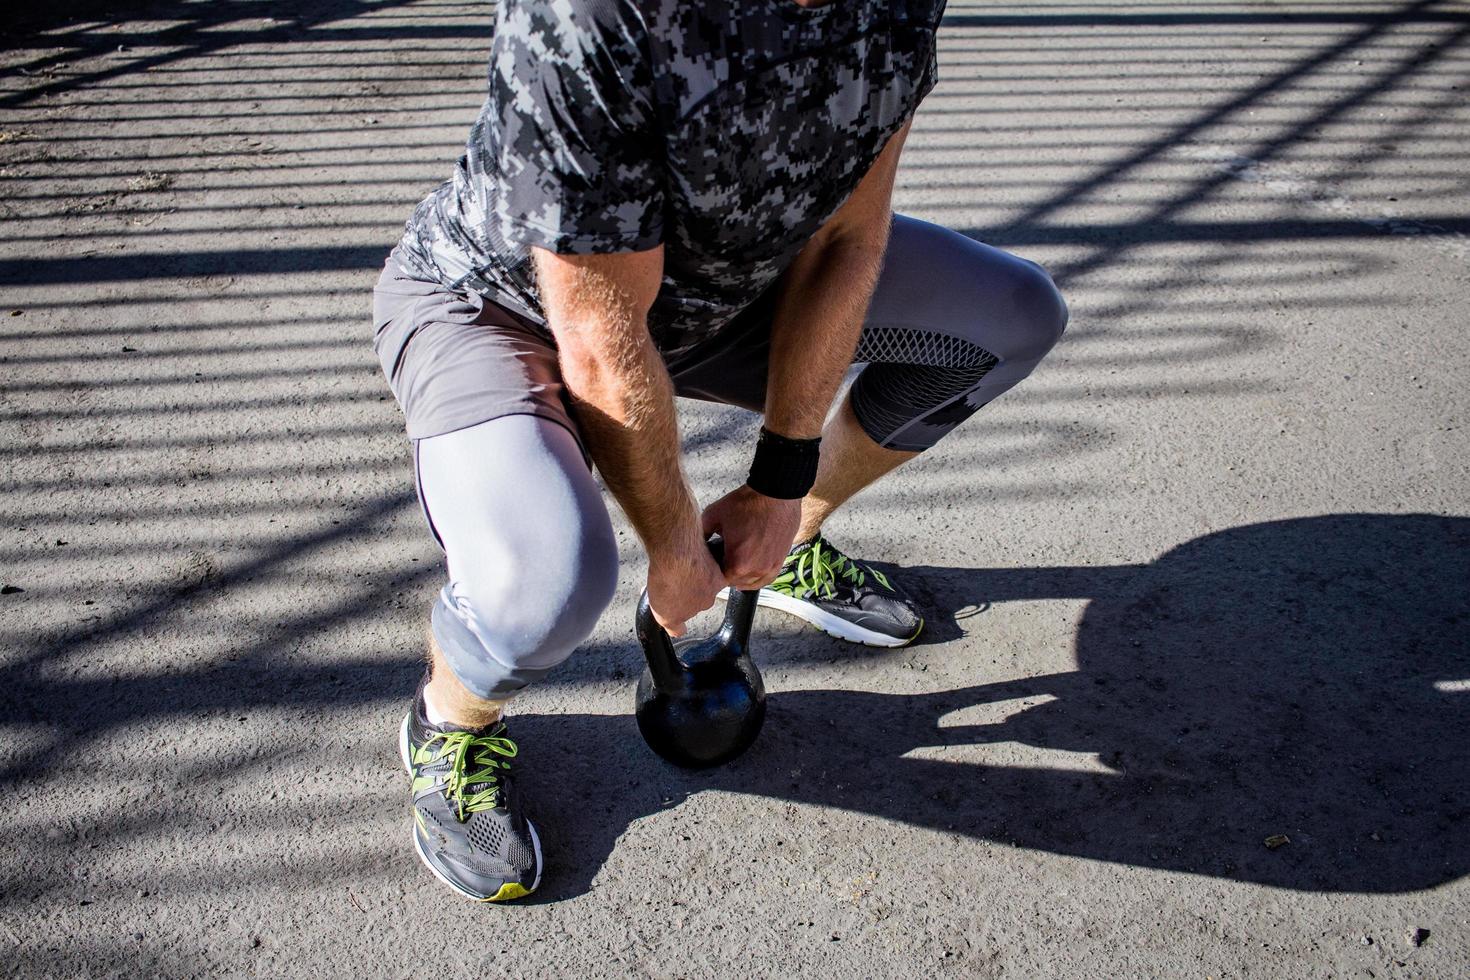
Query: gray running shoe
point(468, 824)
point(843, 597)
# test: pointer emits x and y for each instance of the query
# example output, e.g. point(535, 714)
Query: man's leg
point(532, 562)
point(447, 699)
point(531, 557)
point(850, 461)
point(953, 324)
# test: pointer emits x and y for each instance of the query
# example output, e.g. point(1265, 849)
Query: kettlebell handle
point(658, 648)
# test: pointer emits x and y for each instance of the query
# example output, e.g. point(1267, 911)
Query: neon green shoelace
point(486, 754)
point(820, 567)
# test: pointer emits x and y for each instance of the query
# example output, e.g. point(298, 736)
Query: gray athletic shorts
point(952, 324)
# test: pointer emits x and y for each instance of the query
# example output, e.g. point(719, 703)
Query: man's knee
point(504, 625)
point(542, 606)
point(1037, 313)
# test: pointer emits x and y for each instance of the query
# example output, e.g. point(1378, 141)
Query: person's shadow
point(1307, 678)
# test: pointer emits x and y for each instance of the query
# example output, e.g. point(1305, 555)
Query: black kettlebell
point(700, 702)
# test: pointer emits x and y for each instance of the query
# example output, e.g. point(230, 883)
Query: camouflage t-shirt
point(727, 131)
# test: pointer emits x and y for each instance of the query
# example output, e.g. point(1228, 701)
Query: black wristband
point(783, 468)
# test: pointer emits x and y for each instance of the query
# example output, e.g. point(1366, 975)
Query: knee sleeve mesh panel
point(901, 345)
point(916, 375)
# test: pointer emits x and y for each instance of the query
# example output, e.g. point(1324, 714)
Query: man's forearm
point(824, 300)
point(625, 404)
point(819, 317)
point(597, 308)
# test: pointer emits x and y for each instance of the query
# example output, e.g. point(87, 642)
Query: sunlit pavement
point(1197, 584)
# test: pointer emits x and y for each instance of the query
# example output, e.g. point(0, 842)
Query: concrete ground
point(1201, 582)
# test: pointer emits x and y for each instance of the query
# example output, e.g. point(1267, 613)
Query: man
point(666, 197)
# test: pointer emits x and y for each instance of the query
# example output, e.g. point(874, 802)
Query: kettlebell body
point(700, 702)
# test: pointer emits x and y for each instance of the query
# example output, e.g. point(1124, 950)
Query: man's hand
point(683, 579)
point(758, 532)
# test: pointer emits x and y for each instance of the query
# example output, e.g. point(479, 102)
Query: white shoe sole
point(834, 626)
point(418, 847)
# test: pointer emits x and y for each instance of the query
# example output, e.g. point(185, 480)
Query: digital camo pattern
point(729, 132)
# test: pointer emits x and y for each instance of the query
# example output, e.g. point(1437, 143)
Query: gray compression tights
point(531, 554)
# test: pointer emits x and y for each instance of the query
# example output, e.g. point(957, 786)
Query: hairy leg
point(851, 460)
point(449, 699)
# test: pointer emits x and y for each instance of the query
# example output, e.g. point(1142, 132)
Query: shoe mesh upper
point(489, 836)
point(485, 835)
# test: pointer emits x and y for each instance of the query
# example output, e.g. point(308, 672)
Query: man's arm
point(596, 307)
point(818, 319)
point(819, 314)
